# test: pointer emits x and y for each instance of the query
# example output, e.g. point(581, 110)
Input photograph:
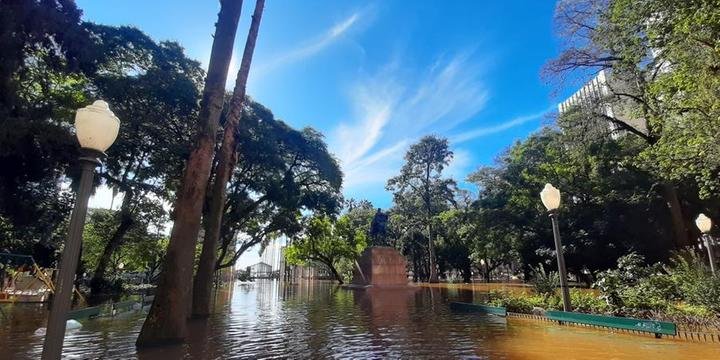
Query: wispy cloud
point(311, 46)
point(489, 130)
point(395, 106)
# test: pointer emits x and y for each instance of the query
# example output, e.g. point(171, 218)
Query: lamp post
point(96, 129)
point(550, 197)
point(705, 224)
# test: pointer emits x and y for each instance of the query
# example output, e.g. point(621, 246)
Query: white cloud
point(396, 106)
point(489, 130)
point(310, 47)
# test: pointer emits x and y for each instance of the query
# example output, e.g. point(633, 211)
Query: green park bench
point(485, 309)
point(658, 328)
point(85, 313)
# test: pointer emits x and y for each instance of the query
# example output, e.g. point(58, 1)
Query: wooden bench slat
point(650, 326)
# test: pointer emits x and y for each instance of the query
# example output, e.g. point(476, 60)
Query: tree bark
point(335, 274)
point(166, 321)
point(670, 195)
point(433, 266)
point(431, 246)
point(203, 284)
point(467, 272)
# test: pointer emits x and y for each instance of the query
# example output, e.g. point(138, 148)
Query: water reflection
point(320, 320)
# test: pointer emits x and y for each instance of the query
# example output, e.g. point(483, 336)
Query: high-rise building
point(601, 96)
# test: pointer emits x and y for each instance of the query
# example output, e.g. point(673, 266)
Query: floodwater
point(316, 320)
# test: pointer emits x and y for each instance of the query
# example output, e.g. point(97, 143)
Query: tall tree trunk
point(126, 222)
point(166, 321)
point(203, 284)
point(431, 250)
point(467, 272)
point(670, 195)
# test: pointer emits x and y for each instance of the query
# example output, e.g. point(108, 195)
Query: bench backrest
point(651, 326)
point(88, 312)
point(470, 307)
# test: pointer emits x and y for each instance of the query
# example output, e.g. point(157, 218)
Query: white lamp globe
point(121, 266)
point(96, 126)
point(703, 223)
point(550, 197)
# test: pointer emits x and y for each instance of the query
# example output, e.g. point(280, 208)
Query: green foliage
point(52, 64)
point(544, 282)
point(521, 303)
point(607, 208)
point(694, 281)
point(636, 288)
point(662, 55)
point(587, 302)
point(420, 193)
point(143, 251)
point(281, 173)
point(334, 244)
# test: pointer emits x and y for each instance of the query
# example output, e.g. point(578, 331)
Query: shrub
point(695, 283)
point(587, 302)
point(634, 288)
point(544, 283)
point(521, 303)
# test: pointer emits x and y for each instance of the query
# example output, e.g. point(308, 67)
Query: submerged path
point(318, 320)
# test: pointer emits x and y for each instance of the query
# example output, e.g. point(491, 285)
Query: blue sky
point(375, 76)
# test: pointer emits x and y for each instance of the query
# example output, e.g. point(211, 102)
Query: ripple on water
point(318, 320)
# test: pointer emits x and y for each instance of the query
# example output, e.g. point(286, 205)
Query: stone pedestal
point(380, 266)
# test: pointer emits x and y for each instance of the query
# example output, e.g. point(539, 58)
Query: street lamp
point(550, 197)
point(96, 129)
point(705, 224)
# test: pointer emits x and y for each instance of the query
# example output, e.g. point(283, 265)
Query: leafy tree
point(420, 192)
point(662, 55)
point(606, 212)
point(45, 53)
point(154, 89)
point(281, 172)
point(328, 243)
point(142, 250)
point(454, 244)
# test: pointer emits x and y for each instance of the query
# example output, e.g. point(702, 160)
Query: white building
point(599, 95)
point(261, 270)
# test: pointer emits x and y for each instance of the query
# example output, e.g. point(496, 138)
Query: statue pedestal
point(380, 266)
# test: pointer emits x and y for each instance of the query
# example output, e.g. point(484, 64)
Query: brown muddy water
point(316, 320)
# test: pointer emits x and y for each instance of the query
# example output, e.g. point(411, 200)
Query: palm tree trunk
point(203, 284)
point(166, 321)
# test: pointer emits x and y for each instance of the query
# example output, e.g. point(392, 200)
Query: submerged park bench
point(96, 311)
point(658, 328)
point(122, 306)
point(471, 307)
point(85, 313)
